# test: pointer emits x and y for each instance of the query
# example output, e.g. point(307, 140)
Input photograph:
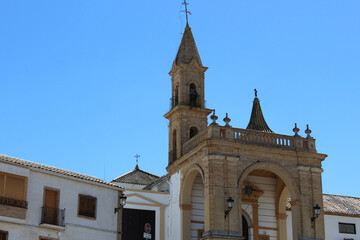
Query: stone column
point(255, 208)
point(234, 218)
point(215, 227)
point(306, 201)
point(319, 231)
point(281, 221)
point(186, 225)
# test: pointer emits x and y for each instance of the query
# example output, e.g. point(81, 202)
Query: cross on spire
point(186, 12)
point(137, 160)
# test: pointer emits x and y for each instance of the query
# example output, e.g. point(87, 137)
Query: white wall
point(332, 227)
point(103, 227)
point(174, 214)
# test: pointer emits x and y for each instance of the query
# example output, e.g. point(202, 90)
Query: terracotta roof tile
point(64, 172)
point(337, 204)
point(137, 176)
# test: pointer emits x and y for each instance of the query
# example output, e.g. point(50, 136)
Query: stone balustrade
point(251, 137)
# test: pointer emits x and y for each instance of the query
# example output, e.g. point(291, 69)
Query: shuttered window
point(15, 187)
point(3, 235)
point(12, 187)
point(87, 206)
point(347, 228)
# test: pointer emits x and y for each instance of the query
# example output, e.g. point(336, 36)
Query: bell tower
point(188, 115)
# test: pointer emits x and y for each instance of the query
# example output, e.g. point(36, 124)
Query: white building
point(45, 203)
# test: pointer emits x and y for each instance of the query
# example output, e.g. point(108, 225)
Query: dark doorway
point(133, 224)
point(245, 228)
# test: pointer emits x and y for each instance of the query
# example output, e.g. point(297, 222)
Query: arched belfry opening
point(193, 95)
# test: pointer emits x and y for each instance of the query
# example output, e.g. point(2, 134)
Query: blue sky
point(84, 84)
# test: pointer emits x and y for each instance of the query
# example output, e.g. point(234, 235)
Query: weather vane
point(186, 11)
point(255, 92)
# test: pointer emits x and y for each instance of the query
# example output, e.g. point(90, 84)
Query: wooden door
point(137, 222)
point(51, 198)
point(51, 204)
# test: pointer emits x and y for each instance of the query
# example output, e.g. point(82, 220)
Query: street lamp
point(230, 203)
point(122, 200)
point(316, 213)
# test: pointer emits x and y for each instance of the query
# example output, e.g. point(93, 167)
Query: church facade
point(227, 164)
point(233, 183)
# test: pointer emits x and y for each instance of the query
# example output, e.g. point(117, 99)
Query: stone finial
point(213, 117)
point(308, 131)
point(296, 130)
point(255, 92)
point(227, 120)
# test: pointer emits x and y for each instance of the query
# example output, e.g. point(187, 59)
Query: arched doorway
point(266, 190)
point(192, 204)
point(197, 208)
point(245, 228)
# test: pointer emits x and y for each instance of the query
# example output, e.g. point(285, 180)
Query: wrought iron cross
point(137, 158)
point(186, 11)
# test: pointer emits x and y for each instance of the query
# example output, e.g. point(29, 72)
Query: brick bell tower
point(236, 183)
point(188, 115)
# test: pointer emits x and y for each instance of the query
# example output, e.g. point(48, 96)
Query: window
point(3, 235)
point(87, 206)
point(13, 190)
point(193, 132)
point(347, 228)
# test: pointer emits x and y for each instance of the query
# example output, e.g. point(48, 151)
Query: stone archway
point(192, 204)
point(245, 228)
point(269, 209)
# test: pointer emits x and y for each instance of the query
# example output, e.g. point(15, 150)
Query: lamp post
point(122, 200)
point(317, 210)
point(230, 203)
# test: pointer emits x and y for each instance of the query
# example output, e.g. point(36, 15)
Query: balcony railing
point(13, 202)
point(53, 216)
point(251, 137)
point(174, 101)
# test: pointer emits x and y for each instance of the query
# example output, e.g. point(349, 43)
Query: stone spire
point(257, 121)
point(187, 50)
